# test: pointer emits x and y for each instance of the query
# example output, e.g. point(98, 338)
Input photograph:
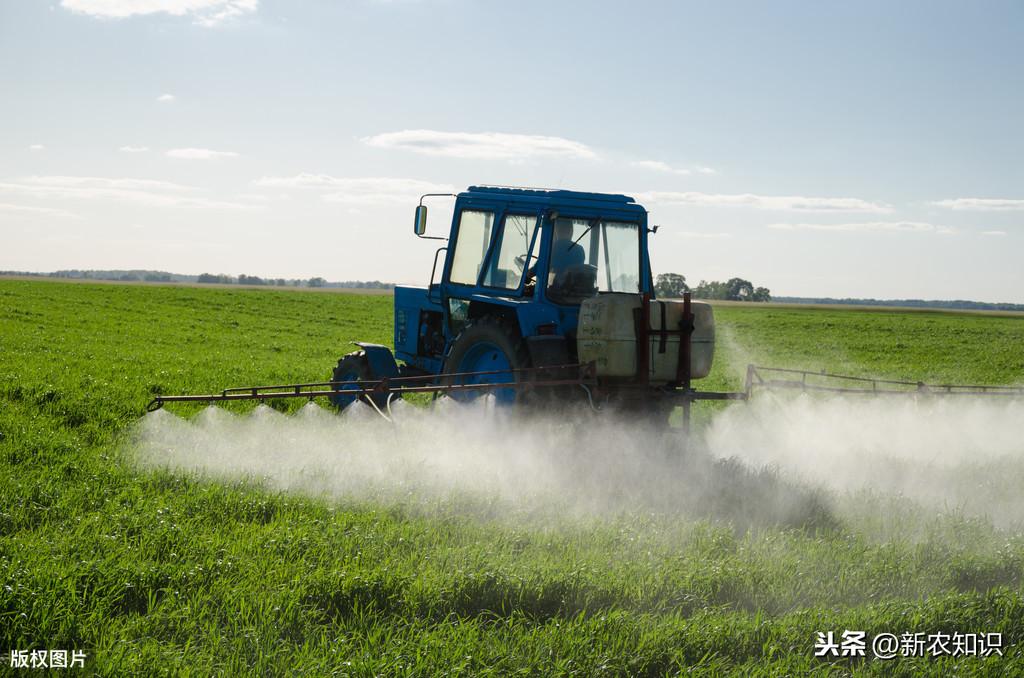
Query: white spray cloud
point(774, 461)
point(946, 452)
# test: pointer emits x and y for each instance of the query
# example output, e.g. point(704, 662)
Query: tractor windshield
point(592, 256)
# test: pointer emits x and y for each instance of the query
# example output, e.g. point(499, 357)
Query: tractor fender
point(381, 360)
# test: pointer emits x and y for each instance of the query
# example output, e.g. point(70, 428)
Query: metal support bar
point(643, 336)
point(685, 368)
point(392, 385)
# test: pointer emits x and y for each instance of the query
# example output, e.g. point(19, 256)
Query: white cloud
point(659, 166)
point(29, 209)
point(303, 180)
point(994, 233)
point(203, 12)
point(166, 98)
point(700, 235)
point(103, 183)
point(133, 149)
point(985, 204)
point(869, 227)
point(359, 190)
point(763, 202)
point(199, 154)
point(37, 147)
point(480, 145)
point(138, 191)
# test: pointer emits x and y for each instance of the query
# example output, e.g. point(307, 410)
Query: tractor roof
point(553, 197)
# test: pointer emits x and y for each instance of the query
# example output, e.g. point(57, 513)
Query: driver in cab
point(564, 252)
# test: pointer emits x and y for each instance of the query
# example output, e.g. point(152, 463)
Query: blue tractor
point(541, 295)
point(521, 269)
point(547, 295)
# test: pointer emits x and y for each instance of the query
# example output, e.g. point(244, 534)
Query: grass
point(154, 572)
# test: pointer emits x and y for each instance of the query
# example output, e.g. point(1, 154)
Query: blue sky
point(841, 149)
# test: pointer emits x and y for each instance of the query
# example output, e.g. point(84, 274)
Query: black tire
point(353, 363)
point(494, 330)
point(352, 366)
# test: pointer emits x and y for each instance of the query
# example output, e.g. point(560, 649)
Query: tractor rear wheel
point(489, 344)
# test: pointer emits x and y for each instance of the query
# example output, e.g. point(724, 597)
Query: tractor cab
point(523, 259)
point(554, 246)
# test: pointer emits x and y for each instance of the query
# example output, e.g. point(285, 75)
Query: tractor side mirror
point(420, 224)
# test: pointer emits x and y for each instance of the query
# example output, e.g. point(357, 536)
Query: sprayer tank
point(607, 337)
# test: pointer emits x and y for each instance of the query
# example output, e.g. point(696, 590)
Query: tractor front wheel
point(352, 367)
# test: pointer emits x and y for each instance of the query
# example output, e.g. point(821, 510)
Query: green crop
point(154, 572)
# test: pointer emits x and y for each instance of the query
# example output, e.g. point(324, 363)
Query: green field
point(163, 572)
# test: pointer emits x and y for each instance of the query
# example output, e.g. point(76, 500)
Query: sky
point(870, 149)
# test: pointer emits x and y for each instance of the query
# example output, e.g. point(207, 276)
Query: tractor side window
point(618, 264)
point(509, 260)
point(473, 237)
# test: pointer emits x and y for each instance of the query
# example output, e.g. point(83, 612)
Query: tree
point(738, 289)
point(316, 282)
point(671, 285)
point(710, 290)
point(735, 289)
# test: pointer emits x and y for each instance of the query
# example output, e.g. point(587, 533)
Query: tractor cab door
point(490, 257)
point(491, 252)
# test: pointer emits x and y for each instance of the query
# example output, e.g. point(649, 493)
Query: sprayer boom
point(779, 378)
point(380, 393)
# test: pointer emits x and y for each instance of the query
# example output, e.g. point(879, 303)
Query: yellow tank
point(607, 336)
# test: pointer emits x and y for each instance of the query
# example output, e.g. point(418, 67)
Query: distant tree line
point(960, 304)
point(243, 279)
point(204, 278)
point(672, 285)
point(124, 276)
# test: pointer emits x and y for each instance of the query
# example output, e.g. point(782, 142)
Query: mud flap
point(382, 361)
